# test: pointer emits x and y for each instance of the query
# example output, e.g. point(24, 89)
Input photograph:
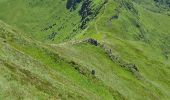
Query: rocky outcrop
point(89, 11)
point(85, 12)
point(72, 4)
point(92, 41)
point(163, 2)
point(52, 36)
point(122, 63)
point(129, 66)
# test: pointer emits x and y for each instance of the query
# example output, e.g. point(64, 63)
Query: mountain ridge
point(84, 49)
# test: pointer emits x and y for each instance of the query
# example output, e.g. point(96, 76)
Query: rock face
point(128, 66)
point(89, 10)
point(85, 12)
point(163, 2)
point(92, 41)
point(72, 4)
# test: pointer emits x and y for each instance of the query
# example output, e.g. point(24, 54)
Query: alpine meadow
point(84, 49)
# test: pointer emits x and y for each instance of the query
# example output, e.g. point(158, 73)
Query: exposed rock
point(92, 41)
point(82, 70)
point(93, 72)
point(49, 27)
point(163, 2)
point(132, 67)
point(72, 4)
point(114, 17)
point(85, 12)
point(126, 65)
point(89, 12)
point(52, 35)
point(116, 14)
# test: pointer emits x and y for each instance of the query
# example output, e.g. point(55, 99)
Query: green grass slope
point(48, 20)
point(84, 49)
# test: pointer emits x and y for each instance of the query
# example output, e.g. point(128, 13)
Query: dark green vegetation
point(85, 49)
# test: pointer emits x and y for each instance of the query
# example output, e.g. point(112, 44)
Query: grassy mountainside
point(85, 49)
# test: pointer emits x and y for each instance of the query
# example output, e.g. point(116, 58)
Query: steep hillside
point(85, 49)
point(49, 20)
